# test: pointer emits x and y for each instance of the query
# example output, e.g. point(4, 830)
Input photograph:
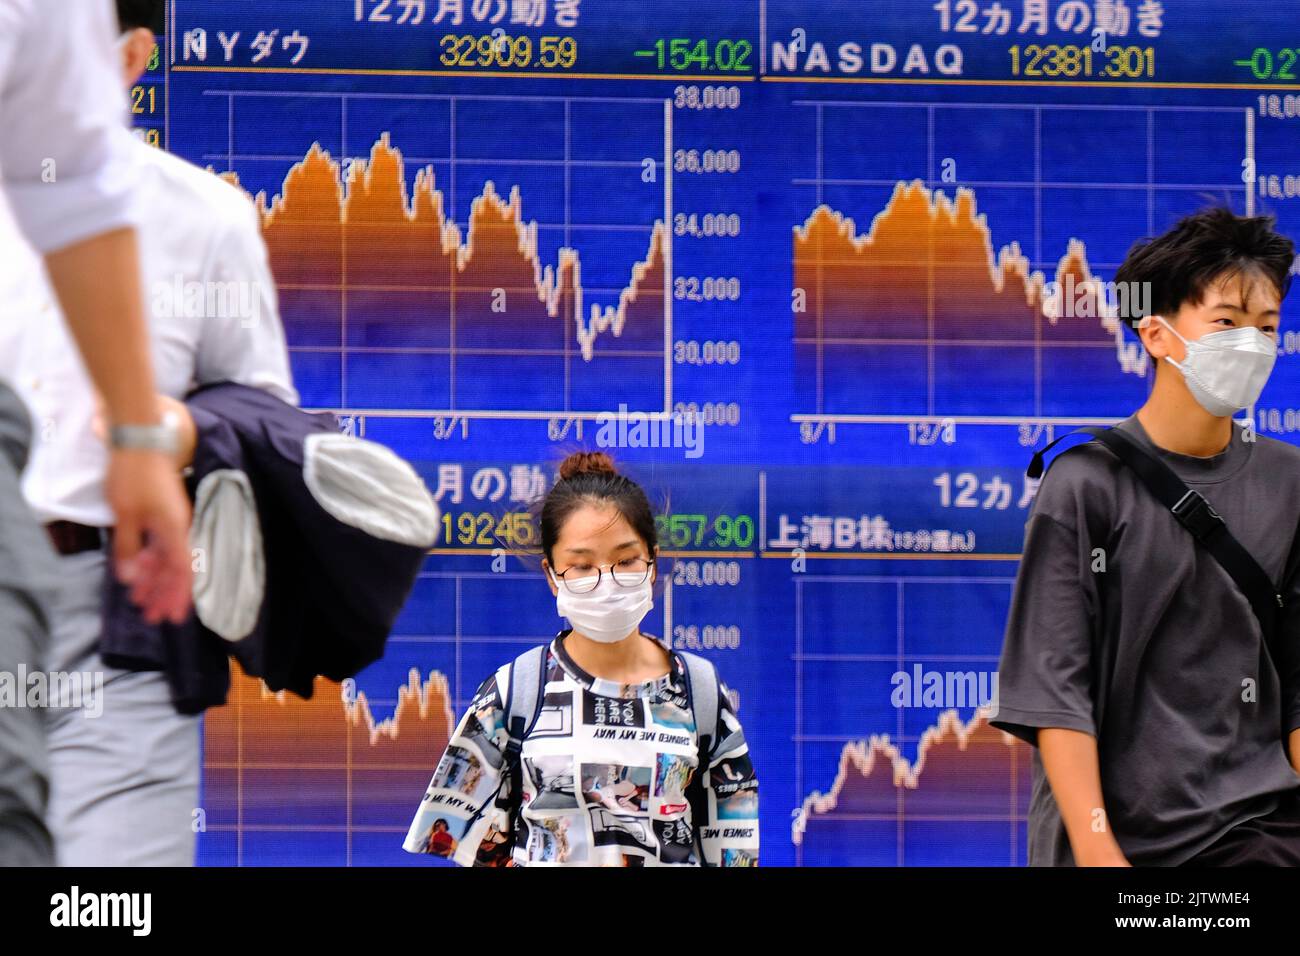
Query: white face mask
point(607, 614)
point(1227, 370)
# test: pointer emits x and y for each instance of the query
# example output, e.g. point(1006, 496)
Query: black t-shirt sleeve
point(1045, 675)
point(1288, 642)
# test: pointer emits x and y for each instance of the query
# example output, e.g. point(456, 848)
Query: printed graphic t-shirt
point(609, 778)
point(1123, 627)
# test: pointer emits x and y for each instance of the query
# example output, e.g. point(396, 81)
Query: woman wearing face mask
point(604, 747)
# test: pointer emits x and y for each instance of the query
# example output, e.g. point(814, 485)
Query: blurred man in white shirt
point(70, 184)
point(124, 786)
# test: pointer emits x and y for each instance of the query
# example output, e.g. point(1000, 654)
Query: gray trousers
point(124, 766)
point(26, 581)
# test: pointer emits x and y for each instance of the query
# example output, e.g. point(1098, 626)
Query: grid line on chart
point(252, 777)
point(897, 586)
point(455, 399)
point(1037, 377)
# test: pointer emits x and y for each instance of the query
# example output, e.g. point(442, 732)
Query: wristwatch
point(164, 437)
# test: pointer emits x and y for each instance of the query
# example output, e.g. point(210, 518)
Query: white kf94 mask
point(1226, 370)
point(608, 613)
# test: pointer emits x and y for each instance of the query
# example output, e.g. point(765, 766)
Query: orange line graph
point(357, 225)
point(963, 770)
point(926, 270)
point(259, 727)
point(276, 767)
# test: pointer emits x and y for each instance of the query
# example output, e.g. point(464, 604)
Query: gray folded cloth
point(366, 486)
point(230, 573)
point(360, 483)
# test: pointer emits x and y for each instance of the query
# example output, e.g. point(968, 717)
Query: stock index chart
point(828, 234)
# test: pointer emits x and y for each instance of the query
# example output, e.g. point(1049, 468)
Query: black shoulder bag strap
point(1195, 514)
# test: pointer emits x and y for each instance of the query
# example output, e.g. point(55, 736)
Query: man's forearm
point(1293, 749)
point(1073, 770)
point(106, 318)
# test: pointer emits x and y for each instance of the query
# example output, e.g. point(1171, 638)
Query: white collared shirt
point(213, 316)
point(65, 169)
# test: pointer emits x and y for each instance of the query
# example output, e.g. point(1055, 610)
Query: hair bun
point(587, 462)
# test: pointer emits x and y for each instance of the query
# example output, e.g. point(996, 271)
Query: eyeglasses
point(584, 578)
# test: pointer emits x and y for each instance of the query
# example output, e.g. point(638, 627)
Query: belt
point(68, 537)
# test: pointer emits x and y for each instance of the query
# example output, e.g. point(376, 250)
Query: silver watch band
point(164, 437)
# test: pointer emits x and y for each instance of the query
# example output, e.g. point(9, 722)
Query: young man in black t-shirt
point(1167, 730)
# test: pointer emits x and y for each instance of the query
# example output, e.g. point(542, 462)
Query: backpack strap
point(702, 686)
point(525, 694)
point(1194, 513)
point(702, 677)
point(1036, 467)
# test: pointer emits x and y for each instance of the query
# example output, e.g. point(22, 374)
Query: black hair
point(132, 14)
point(1205, 248)
point(589, 477)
